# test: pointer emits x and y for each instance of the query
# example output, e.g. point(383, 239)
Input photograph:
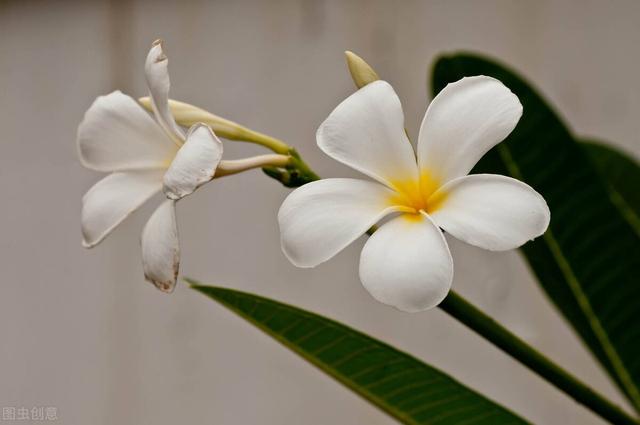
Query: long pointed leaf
point(588, 262)
point(399, 384)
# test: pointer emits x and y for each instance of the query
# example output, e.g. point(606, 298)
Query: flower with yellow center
point(406, 263)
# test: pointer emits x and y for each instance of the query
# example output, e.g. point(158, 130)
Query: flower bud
point(187, 115)
point(361, 72)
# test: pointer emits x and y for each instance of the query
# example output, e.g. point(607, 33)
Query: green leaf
point(399, 384)
point(622, 175)
point(588, 262)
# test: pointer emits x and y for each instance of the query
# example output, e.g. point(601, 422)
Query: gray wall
point(82, 331)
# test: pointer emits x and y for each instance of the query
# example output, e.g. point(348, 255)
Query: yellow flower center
point(415, 196)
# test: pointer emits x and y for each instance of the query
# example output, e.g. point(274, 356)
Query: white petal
point(490, 211)
point(194, 164)
point(366, 132)
point(113, 199)
point(157, 74)
point(464, 121)
point(117, 134)
point(161, 248)
point(407, 264)
point(321, 218)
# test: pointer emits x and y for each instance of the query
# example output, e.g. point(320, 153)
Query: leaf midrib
point(625, 209)
point(618, 200)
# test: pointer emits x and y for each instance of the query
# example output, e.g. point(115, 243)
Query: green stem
point(302, 166)
point(276, 145)
point(467, 314)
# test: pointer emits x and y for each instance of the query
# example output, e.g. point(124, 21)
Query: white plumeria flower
point(144, 156)
point(407, 263)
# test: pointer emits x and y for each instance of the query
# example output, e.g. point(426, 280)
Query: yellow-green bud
point(361, 72)
point(187, 115)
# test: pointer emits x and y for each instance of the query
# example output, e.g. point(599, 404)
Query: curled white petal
point(321, 218)
point(464, 121)
point(407, 264)
point(491, 211)
point(194, 164)
point(366, 132)
point(113, 199)
point(117, 134)
point(160, 247)
point(157, 74)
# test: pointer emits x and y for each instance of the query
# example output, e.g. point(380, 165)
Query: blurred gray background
point(83, 332)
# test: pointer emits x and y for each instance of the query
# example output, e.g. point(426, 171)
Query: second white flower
point(407, 263)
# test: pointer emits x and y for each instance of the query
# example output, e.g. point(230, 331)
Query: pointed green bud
point(361, 72)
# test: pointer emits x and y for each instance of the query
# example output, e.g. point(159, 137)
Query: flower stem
point(472, 317)
point(234, 166)
point(276, 145)
point(295, 174)
point(469, 315)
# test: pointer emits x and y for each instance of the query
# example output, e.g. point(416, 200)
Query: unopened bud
point(187, 115)
point(361, 72)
